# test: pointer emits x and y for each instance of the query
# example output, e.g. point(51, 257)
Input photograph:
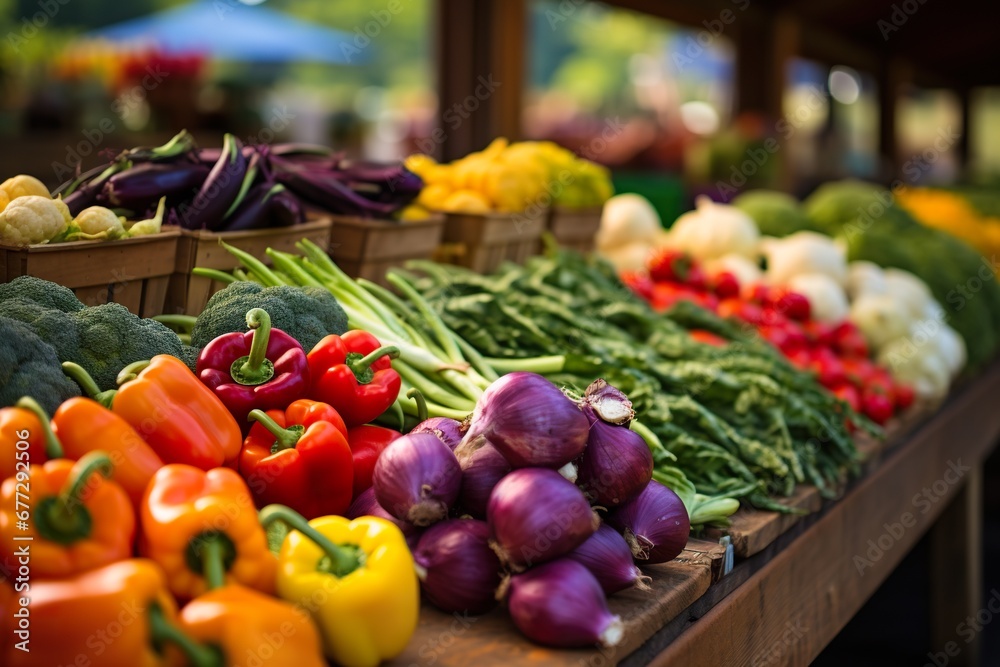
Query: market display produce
point(510, 178)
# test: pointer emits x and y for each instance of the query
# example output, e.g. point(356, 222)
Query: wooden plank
point(128, 294)
point(154, 296)
point(956, 573)
point(492, 640)
point(799, 600)
point(361, 239)
point(94, 295)
point(752, 530)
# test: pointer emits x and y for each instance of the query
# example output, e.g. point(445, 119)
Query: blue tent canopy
point(230, 30)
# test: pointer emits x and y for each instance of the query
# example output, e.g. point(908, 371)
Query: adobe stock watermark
point(923, 502)
point(898, 17)
point(966, 630)
point(695, 45)
point(434, 647)
point(459, 112)
point(794, 632)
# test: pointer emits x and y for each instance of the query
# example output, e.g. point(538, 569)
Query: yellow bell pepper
point(355, 578)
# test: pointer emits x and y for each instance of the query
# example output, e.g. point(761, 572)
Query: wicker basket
point(134, 272)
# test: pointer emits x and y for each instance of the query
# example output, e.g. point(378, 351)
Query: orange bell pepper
point(181, 419)
point(249, 628)
point(82, 425)
point(101, 618)
point(188, 513)
point(25, 438)
point(70, 517)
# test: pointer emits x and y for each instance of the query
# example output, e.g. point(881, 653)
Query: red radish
point(858, 370)
point(772, 317)
point(725, 285)
point(696, 278)
point(758, 293)
point(794, 306)
point(707, 337)
point(881, 382)
point(668, 265)
point(876, 406)
point(748, 312)
point(818, 333)
point(801, 359)
point(849, 341)
point(904, 396)
point(849, 395)
point(828, 368)
point(639, 283)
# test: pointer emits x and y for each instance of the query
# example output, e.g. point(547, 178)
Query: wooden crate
point(366, 248)
point(483, 242)
point(575, 228)
point(133, 272)
point(188, 294)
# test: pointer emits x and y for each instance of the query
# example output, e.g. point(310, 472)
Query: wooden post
point(480, 63)
point(964, 94)
point(892, 77)
point(956, 574)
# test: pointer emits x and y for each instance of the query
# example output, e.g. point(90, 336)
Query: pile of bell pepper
point(193, 518)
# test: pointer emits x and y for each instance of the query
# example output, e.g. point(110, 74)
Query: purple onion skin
point(655, 524)
point(607, 556)
point(561, 604)
point(530, 421)
point(417, 479)
point(450, 431)
point(609, 403)
point(482, 469)
point(617, 464)
point(536, 515)
point(457, 568)
point(366, 505)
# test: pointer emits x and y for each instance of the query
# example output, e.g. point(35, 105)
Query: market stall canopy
point(233, 31)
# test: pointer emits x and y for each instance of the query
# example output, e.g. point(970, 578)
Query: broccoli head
point(111, 338)
point(189, 355)
point(42, 292)
point(305, 313)
point(30, 367)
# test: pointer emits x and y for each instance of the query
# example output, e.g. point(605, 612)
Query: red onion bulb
point(535, 515)
point(417, 479)
point(450, 431)
point(458, 570)
point(608, 557)
point(561, 604)
point(530, 421)
point(609, 403)
point(366, 505)
point(655, 524)
point(616, 465)
point(482, 468)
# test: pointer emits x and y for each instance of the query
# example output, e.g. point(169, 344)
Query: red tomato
point(758, 293)
point(876, 406)
point(828, 368)
point(858, 370)
point(904, 396)
point(849, 395)
point(818, 333)
point(880, 382)
point(786, 338)
point(725, 285)
point(669, 266)
point(707, 337)
point(748, 312)
point(849, 341)
point(794, 306)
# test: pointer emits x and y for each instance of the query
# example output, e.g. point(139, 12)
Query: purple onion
point(607, 555)
point(616, 465)
point(450, 431)
point(482, 468)
point(561, 604)
point(535, 515)
point(655, 524)
point(529, 421)
point(417, 479)
point(458, 570)
point(366, 505)
point(609, 403)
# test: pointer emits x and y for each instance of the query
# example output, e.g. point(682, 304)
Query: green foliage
point(305, 313)
point(30, 367)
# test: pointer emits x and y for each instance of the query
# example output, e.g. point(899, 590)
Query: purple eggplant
point(217, 193)
point(323, 189)
point(139, 187)
point(265, 205)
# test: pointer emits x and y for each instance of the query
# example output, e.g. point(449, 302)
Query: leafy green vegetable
point(30, 367)
point(307, 314)
point(42, 292)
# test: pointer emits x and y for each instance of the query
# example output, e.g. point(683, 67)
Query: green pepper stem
point(53, 448)
point(212, 559)
point(343, 561)
point(361, 365)
point(162, 630)
point(79, 375)
point(131, 371)
point(90, 463)
point(285, 438)
point(421, 403)
point(253, 369)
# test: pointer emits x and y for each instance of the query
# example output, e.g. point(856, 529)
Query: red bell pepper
point(367, 443)
point(299, 458)
point(354, 374)
point(264, 368)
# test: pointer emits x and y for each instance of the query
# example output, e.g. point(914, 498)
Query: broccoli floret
point(53, 326)
point(189, 355)
point(111, 338)
point(42, 292)
point(30, 367)
point(305, 313)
